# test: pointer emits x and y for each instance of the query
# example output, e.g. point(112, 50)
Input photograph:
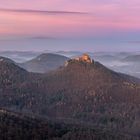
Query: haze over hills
point(132, 58)
point(20, 56)
point(82, 91)
point(112, 60)
point(44, 63)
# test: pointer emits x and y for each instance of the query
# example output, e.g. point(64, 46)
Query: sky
point(105, 25)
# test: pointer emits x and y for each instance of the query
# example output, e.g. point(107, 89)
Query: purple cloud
point(43, 11)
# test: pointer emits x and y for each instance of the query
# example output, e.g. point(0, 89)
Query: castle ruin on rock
point(85, 58)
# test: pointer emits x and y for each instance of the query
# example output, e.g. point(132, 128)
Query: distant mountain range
point(132, 58)
point(117, 61)
point(20, 56)
point(78, 91)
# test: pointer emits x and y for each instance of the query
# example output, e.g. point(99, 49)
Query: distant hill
point(81, 91)
point(132, 58)
point(19, 56)
point(107, 58)
point(44, 63)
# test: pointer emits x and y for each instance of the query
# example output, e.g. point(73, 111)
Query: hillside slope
point(10, 73)
point(17, 126)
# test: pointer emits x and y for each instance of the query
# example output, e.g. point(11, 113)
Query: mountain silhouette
point(44, 63)
point(131, 58)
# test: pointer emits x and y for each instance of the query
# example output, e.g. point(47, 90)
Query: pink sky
point(95, 18)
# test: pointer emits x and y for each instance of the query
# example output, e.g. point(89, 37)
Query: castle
point(84, 58)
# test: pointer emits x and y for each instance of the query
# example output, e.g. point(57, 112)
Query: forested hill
point(79, 91)
point(17, 126)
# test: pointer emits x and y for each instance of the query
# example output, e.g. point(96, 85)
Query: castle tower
point(86, 58)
